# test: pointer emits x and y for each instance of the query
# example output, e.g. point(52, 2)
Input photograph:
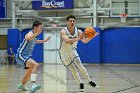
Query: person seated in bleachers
point(10, 55)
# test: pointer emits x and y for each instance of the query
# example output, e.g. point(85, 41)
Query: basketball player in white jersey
point(70, 36)
point(23, 57)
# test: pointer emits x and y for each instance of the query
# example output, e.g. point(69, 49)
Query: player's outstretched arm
point(30, 35)
point(83, 38)
point(42, 41)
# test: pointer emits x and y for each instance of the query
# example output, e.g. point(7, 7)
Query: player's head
point(71, 20)
point(37, 25)
point(10, 46)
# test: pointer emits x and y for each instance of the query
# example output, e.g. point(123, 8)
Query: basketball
point(90, 32)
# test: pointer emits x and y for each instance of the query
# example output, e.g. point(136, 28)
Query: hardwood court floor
point(55, 78)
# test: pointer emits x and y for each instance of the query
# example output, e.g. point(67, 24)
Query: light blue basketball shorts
point(21, 59)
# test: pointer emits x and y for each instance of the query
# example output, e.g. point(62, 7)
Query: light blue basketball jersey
point(26, 47)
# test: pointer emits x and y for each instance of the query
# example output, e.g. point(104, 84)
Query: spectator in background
point(10, 55)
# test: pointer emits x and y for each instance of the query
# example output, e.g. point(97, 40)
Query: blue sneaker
point(35, 88)
point(21, 86)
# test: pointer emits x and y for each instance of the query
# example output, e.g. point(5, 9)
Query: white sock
point(33, 77)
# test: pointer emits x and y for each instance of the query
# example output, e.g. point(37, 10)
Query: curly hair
point(70, 16)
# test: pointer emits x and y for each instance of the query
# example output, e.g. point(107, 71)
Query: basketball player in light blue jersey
point(70, 36)
point(23, 57)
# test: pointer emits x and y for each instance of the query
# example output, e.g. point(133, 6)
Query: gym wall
point(113, 46)
point(15, 37)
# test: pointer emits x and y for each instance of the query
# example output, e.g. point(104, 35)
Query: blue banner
point(52, 4)
point(2, 8)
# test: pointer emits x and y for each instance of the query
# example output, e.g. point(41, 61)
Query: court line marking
point(123, 78)
point(53, 77)
point(126, 89)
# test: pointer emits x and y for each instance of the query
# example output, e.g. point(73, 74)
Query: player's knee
point(73, 70)
point(36, 65)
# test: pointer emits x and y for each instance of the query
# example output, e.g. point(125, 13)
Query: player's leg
point(26, 77)
point(83, 70)
point(76, 76)
point(20, 60)
point(65, 57)
point(75, 73)
point(35, 67)
point(66, 60)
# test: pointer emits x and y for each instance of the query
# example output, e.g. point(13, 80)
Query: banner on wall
point(2, 8)
point(52, 4)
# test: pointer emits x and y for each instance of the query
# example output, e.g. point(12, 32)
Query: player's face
point(71, 22)
point(39, 28)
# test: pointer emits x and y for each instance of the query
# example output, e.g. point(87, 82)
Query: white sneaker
point(35, 88)
point(21, 86)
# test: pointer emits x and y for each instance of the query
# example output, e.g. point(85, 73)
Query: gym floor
point(55, 78)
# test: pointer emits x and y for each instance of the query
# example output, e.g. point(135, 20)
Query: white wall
point(51, 53)
point(3, 31)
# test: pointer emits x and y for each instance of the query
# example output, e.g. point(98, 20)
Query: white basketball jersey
point(69, 46)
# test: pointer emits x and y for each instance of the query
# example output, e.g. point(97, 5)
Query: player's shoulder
point(79, 30)
point(63, 31)
point(29, 33)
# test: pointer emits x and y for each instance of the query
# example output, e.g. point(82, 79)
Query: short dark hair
point(70, 16)
point(10, 46)
point(36, 23)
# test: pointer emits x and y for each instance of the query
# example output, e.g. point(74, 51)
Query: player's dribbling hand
point(48, 38)
point(97, 33)
point(81, 37)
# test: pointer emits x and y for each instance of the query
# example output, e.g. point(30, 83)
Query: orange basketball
point(90, 32)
